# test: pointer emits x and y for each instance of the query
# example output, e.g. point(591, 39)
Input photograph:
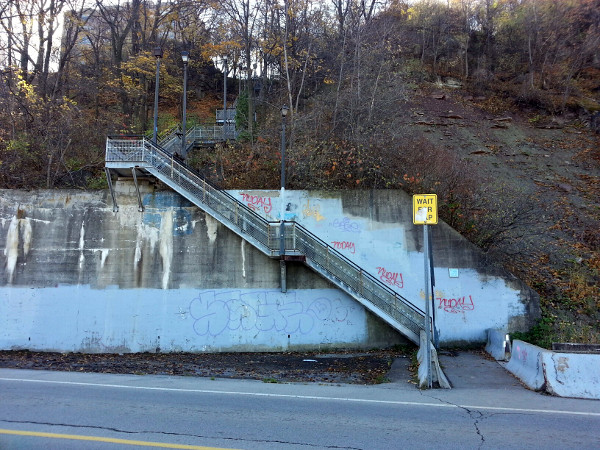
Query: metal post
point(434, 331)
point(137, 190)
point(282, 215)
point(224, 96)
point(112, 191)
point(427, 306)
point(284, 111)
point(184, 56)
point(157, 52)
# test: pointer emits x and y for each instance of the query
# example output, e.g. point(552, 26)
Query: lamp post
point(284, 111)
point(185, 55)
point(251, 102)
point(157, 53)
point(224, 92)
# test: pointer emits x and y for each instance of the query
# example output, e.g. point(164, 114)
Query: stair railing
point(346, 274)
point(321, 257)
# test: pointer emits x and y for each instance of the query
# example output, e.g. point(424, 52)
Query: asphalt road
point(58, 410)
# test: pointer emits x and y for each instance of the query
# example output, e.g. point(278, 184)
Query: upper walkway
point(197, 135)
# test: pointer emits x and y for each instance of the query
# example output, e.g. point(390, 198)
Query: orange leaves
point(413, 179)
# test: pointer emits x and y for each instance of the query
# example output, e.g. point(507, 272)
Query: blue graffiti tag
point(216, 313)
point(346, 225)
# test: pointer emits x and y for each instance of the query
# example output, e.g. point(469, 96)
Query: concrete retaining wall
point(375, 230)
point(79, 277)
point(82, 319)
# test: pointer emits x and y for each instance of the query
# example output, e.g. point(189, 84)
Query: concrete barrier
point(498, 344)
point(526, 364)
point(575, 375)
point(572, 374)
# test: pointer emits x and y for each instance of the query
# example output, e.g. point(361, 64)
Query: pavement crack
point(475, 415)
point(169, 433)
point(69, 425)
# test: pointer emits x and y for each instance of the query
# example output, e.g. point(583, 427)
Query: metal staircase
point(138, 155)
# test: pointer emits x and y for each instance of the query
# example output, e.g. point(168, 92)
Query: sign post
point(425, 213)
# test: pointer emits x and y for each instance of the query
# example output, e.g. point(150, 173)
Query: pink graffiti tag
point(391, 278)
point(521, 353)
point(344, 245)
point(255, 202)
point(456, 305)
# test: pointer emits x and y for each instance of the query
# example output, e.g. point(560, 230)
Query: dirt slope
point(542, 173)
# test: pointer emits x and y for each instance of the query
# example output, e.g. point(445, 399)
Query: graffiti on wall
point(344, 245)
point(456, 305)
point(314, 211)
point(391, 278)
point(346, 225)
point(215, 313)
point(257, 203)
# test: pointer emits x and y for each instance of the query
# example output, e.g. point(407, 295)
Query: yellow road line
point(105, 439)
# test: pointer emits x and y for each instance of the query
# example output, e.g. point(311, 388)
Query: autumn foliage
point(483, 102)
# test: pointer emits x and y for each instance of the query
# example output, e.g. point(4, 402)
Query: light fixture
point(157, 52)
point(185, 55)
point(284, 111)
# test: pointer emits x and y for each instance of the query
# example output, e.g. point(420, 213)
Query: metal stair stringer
point(370, 292)
point(215, 202)
point(374, 295)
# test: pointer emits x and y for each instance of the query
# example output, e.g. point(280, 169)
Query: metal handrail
point(355, 266)
point(220, 204)
point(265, 234)
point(162, 135)
point(353, 277)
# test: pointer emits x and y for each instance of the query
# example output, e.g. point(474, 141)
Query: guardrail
point(265, 235)
point(170, 140)
point(212, 133)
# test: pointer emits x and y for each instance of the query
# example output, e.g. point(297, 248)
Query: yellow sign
point(425, 209)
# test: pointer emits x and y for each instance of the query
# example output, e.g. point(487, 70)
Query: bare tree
point(242, 17)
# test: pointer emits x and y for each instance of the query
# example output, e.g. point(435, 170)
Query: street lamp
point(185, 55)
point(250, 88)
point(157, 53)
point(224, 92)
point(282, 268)
point(284, 111)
